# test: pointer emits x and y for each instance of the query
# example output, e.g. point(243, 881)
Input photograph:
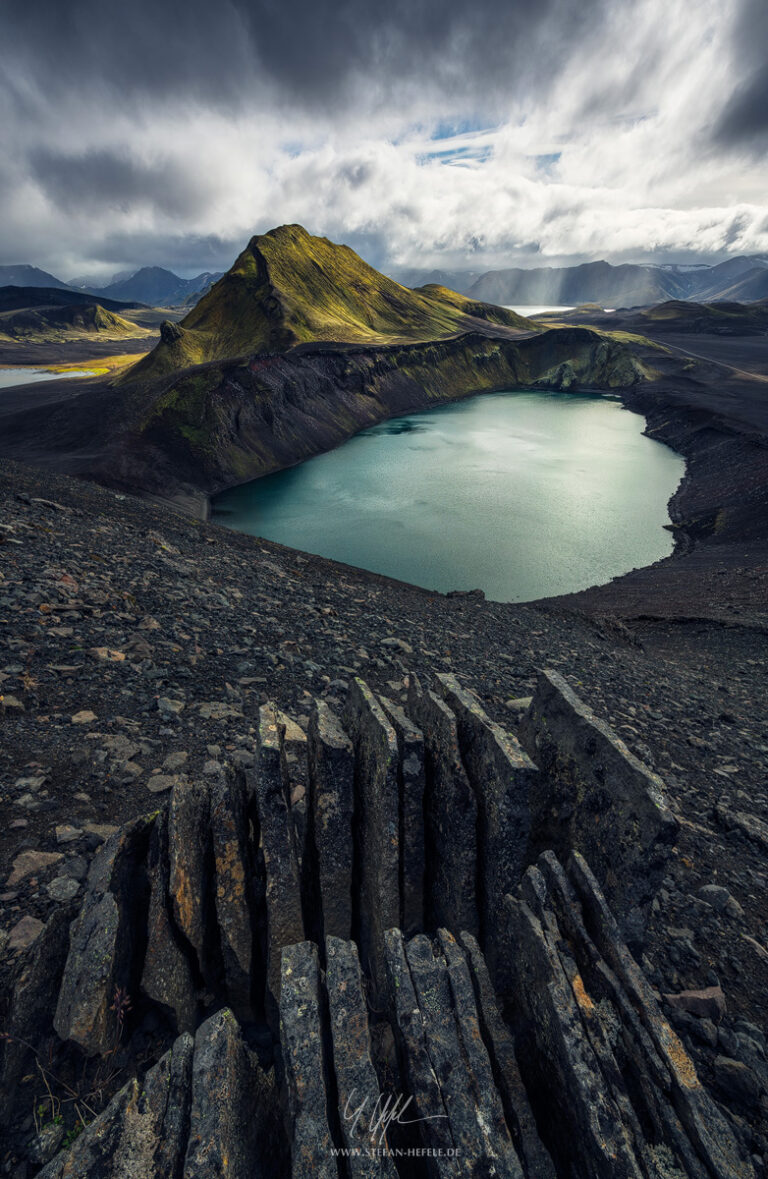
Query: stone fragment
point(175, 761)
point(302, 1044)
point(218, 710)
point(411, 784)
point(715, 895)
point(24, 933)
point(62, 888)
point(749, 825)
point(84, 717)
point(66, 833)
point(503, 779)
point(102, 831)
point(377, 824)
point(47, 1143)
point(708, 1003)
point(267, 786)
point(737, 1082)
point(28, 863)
point(128, 772)
point(356, 1080)
point(331, 795)
point(450, 817)
point(596, 797)
point(170, 707)
point(159, 783)
point(103, 940)
point(107, 655)
point(11, 705)
point(166, 976)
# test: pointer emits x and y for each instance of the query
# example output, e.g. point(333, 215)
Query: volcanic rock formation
point(395, 946)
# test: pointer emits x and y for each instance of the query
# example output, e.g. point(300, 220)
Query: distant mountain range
point(157, 287)
point(742, 279)
point(151, 285)
point(29, 276)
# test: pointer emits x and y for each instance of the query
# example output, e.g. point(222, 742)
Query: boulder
point(707, 1003)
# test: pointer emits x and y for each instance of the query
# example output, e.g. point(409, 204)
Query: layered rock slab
point(595, 1048)
point(503, 778)
point(596, 797)
point(377, 824)
point(106, 941)
point(331, 806)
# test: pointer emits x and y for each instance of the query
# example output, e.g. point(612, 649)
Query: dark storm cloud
point(744, 118)
point(102, 179)
point(182, 252)
point(302, 52)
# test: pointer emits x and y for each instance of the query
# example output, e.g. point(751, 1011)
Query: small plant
point(72, 1135)
point(48, 1110)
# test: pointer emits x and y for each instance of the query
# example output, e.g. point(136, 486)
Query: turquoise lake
point(520, 494)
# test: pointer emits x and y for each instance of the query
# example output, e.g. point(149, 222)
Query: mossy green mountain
point(288, 288)
point(73, 321)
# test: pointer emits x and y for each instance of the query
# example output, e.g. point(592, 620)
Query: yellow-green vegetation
point(100, 367)
point(679, 309)
point(73, 321)
point(186, 405)
point(288, 288)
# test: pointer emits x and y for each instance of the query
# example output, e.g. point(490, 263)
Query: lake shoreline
point(517, 493)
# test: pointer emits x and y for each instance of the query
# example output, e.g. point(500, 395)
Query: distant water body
point(531, 311)
point(10, 378)
point(520, 494)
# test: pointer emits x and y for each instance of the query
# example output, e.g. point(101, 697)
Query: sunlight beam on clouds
point(614, 148)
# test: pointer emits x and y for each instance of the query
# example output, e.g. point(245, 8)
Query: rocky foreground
point(140, 651)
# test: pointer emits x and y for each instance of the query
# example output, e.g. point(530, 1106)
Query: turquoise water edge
point(520, 494)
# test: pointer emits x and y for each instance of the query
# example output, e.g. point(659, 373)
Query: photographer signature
point(381, 1114)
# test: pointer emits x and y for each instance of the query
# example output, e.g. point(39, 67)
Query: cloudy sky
point(422, 132)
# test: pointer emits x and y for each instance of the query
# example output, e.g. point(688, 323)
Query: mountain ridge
point(288, 288)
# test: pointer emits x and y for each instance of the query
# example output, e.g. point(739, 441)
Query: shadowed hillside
point(71, 321)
